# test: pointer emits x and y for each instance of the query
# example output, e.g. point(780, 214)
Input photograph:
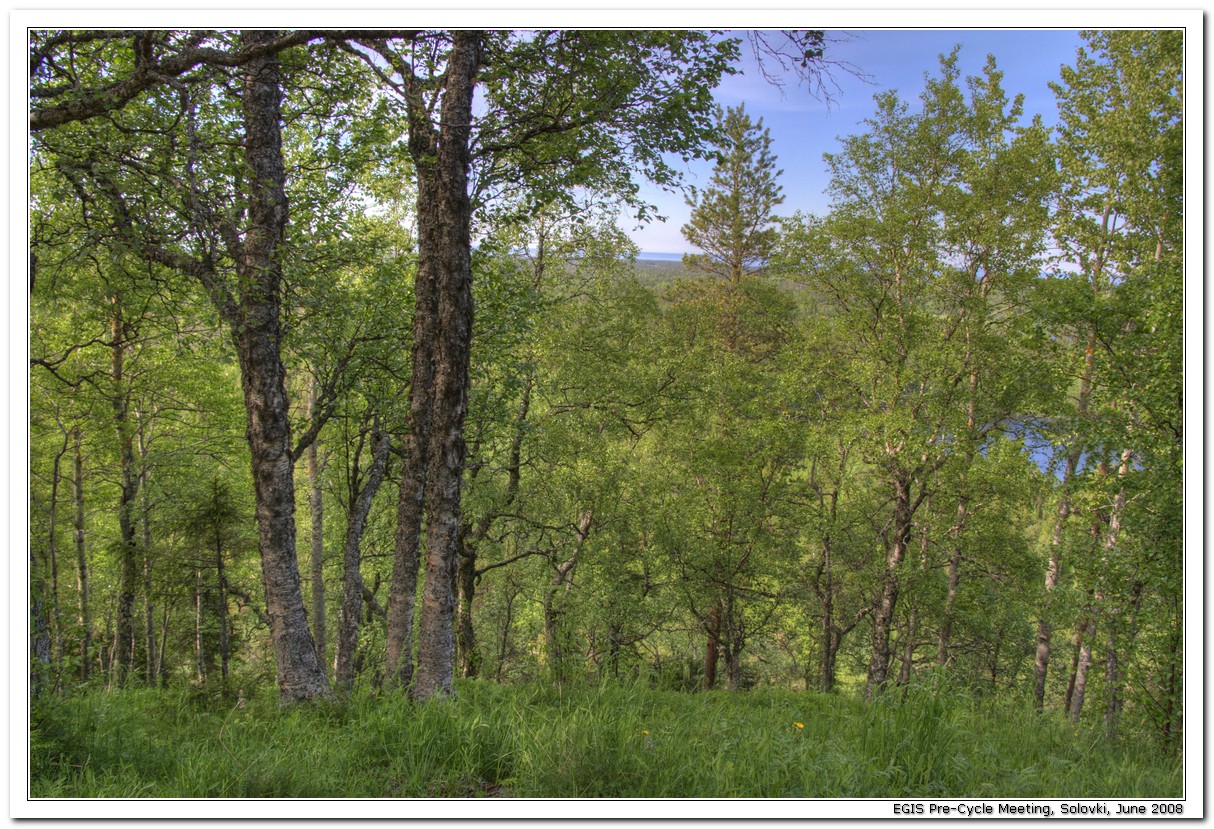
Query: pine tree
point(731, 220)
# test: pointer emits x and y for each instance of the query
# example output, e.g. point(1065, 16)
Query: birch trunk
point(878, 665)
point(256, 331)
point(448, 240)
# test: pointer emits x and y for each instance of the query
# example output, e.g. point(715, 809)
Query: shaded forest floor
point(608, 742)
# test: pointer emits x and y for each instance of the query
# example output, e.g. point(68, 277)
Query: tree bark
point(504, 642)
point(878, 665)
point(402, 592)
point(164, 638)
point(56, 617)
point(1084, 662)
point(352, 583)
point(40, 637)
point(222, 606)
point(828, 621)
point(145, 521)
point(731, 635)
point(82, 566)
point(257, 335)
point(448, 240)
point(316, 505)
point(908, 633)
point(124, 648)
point(950, 599)
point(712, 646)
point(469, 662)
point(199, 650)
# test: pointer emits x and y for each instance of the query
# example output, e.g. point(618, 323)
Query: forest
point(356, 424)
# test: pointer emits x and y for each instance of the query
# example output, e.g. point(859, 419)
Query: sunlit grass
point(607, 742)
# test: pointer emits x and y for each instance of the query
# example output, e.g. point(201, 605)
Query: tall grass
point(587, 742)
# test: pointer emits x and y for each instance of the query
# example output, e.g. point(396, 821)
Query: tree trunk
point(352, 583)
point(1081, 670)
point(963, 500)
point(829, 642)
point(908, 650)
point(561, 583)
point(199, 650)
point(1070, 685)
point(449, 242)
point(504, 642)
point(149, 623)
point(222, 592)
point(950, 599)
point(469, 663)
point(145, 521)
point(82, 567)
point(56, 619)
point(1112, 671)
point(735, 644)
point(1114, 665)
point(1112, 682)
point(124, 647)
point(402, 592)
point(40, 637)
point(316, 504)
point(1053, 570)
point(1173, 686)
point(1108, 545)
point(712, 646)
point(552, 641)
point(105, 659)
point(164, 638)
point(878, 665)
point(257, 335)
point(733, 664)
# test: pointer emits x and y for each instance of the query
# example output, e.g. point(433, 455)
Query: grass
point(546, 742)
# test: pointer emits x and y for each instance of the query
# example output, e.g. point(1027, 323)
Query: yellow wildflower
point(799, 724)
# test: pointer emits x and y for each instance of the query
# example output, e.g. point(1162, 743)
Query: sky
point(802, 129)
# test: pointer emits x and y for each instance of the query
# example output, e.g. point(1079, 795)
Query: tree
point(935, 214)
point(731, 219)
point(623, 101)
point(218, 217)
point(1120, 223)
point(616, 102)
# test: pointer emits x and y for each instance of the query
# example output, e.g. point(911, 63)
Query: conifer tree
point(731, 220)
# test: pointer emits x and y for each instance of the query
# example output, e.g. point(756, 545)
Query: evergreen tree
point(731, 220)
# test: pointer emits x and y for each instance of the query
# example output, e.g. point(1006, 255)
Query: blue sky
point(802, 129)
